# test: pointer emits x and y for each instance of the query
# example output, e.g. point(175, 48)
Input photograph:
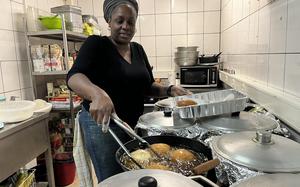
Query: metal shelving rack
point(59, 35)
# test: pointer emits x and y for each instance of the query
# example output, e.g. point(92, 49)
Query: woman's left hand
point(178, 91)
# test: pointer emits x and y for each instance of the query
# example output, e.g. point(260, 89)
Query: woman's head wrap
point(110, 5)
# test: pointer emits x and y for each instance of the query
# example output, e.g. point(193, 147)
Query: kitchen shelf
point(50, 73)
point(75, 108)
point(58, 35)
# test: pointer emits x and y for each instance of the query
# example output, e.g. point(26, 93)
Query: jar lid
point(260, 151)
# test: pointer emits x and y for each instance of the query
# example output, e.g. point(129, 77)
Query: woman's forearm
point(82, 86)
point(157, 90)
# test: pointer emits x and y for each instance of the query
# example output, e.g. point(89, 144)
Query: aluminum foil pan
point(212, 103)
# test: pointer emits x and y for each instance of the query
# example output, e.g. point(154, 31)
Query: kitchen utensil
point(185, 61)
point(51, 22)
point(164, 123)
point(206, 166)
point(211, 103)
point(16, 111)
point(124, 148)
point(245, 154)
point(190, 48)
point(174, 141)
point(151, 177)
point(209, 59)
point(123, 125)
point(42, 106)
point(187, 54)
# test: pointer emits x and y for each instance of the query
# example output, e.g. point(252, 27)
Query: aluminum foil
point(192, 132)
point(228, 172)
point(212, 103)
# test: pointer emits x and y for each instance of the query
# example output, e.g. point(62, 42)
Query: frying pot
point(209, 59)
point(193, 145)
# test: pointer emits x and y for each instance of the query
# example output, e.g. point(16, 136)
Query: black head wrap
point(110, 5)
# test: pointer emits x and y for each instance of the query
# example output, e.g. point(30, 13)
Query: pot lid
point(274, 180)
point(162, 177)
point(169, 103)
point(245, 121)
point(262, 151)
point(164, 120)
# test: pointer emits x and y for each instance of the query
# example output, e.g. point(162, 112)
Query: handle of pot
point(218, 54)
point(206, 180)
point(206, 166)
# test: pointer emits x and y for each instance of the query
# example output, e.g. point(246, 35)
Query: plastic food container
point(16, 111)
point(53, 22)
point(72, 16)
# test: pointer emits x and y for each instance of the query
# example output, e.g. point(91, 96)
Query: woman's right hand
point(101, 107)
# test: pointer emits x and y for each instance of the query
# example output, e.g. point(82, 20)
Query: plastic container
point(16, 111)
point(64, 169)
point(42, 106)
point(72, 16)
point(53, 22)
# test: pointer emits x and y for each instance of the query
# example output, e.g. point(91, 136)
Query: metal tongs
point(123, 125)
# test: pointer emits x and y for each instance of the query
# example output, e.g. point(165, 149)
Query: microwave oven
point(199, 76)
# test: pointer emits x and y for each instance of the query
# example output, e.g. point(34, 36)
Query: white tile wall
point(14, 72)
point(292, 74)
point(270, 51)
point(174, 23)
point(162, 26)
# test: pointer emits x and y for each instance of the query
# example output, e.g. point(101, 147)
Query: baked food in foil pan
point(210, 103)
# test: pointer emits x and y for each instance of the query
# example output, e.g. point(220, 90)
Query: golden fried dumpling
point(141, 155)
point(161, 148)
point(186, 102)
point(182, 155)
point(155, 165)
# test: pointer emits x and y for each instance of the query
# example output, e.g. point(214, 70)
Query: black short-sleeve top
point(125, 83)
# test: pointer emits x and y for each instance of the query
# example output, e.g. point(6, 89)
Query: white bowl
point(16, 111)
point(42, 106)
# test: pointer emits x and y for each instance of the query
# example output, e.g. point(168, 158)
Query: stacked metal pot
point(186, 56)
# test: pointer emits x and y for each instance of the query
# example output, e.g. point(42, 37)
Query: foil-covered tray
point(211, 103)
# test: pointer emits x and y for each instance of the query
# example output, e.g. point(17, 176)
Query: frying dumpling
point(186, 102)
point(182, 155)
point(141, 155)
point(154, 165)
point(161, 148)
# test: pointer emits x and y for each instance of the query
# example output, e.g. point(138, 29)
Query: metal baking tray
point(211, 103)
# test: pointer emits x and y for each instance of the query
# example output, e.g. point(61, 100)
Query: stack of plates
point(186, 56)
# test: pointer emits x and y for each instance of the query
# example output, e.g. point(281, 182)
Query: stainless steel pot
point(247, 154)
point(274, 180)
point(151, 177)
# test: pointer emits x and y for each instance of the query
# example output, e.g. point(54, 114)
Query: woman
point(113, 74)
